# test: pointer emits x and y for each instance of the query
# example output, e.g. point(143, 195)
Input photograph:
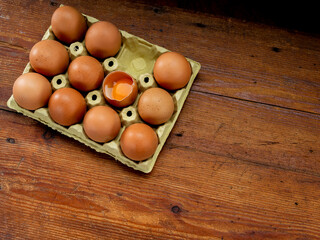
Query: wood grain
point(240, 60)
point(242, 161)
point(95, 196)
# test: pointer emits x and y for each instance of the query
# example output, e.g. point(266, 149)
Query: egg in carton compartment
point(135, 57)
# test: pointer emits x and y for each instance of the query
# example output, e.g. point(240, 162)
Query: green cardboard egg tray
point(136, 57)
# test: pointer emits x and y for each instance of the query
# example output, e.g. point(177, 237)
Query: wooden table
point(242, 162)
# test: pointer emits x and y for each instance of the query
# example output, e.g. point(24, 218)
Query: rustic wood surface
point(242, 162)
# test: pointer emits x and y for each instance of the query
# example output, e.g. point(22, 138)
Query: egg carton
point(136, 57)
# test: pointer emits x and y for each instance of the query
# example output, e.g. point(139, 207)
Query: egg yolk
point(121, 89)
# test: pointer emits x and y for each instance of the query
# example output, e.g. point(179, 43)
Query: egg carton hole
point(59, 81)
point(76, 48)
point(129, 113)
point(110, 64)
point(146, 79)
point(94, 97)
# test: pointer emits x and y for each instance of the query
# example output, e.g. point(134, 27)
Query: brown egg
point(49, 58)
point(120, 89)
point(101, 124)
point(31, 91)
point(68, 24)
point(139, 142)
point(103, 39)
point(67, 106)
point(155, 106)
point(85, 73)
point(172, 71)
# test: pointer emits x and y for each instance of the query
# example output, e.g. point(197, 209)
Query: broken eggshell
point(120, 89)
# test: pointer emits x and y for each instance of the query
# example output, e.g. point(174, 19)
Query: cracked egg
point(120, 89)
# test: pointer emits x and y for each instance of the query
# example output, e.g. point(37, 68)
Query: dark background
point(301, 15)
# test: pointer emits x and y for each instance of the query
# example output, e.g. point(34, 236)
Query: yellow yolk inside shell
point(122, 89)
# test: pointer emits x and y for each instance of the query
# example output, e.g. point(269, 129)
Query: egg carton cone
point(135, 57)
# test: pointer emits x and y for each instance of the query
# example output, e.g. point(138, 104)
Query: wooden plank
point(241, 60)
point(47, 190)
point(249, 132)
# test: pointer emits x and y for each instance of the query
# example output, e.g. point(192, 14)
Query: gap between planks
point(255, 102)
point(4, 108)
